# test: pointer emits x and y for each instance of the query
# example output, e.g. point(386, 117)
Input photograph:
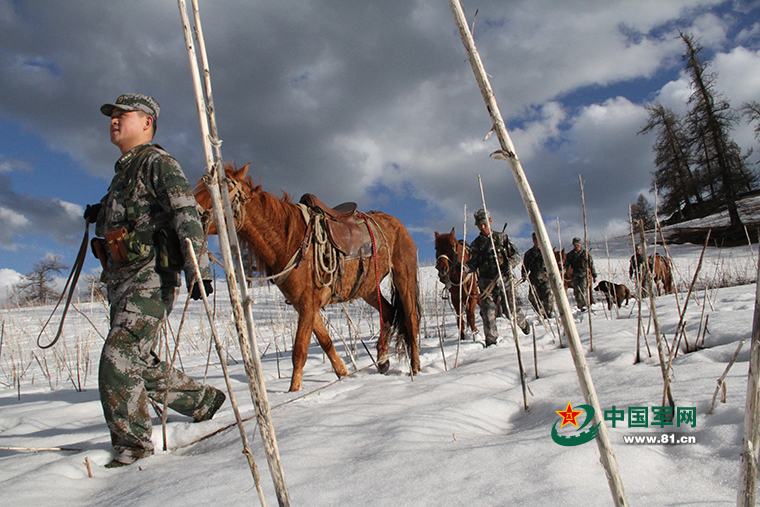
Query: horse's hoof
point(383, 365)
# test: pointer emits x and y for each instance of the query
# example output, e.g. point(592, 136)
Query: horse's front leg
point(327, 345)
point(301, 347)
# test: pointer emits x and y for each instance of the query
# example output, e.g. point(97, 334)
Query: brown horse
point(449, 254)
point(276, 229)
point(662, 273)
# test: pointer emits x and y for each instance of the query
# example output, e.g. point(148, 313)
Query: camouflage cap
point(481, 217)
point(133, 102)
point(577, 241)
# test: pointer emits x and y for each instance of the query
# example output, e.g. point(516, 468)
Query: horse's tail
point(404, 336)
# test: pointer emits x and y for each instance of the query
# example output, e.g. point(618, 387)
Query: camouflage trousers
point(540, 296)
point(130, 373)
point(580, 291)
point(495, 305)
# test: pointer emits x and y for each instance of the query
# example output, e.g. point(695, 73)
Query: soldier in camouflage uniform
point(535, 270)
point(638, 272)
point(483, 261)
point(146, 216)
point(576, 259)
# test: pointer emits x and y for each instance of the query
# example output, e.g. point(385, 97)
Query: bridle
point(237, 202)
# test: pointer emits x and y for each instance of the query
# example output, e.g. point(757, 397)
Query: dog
point(610, 290)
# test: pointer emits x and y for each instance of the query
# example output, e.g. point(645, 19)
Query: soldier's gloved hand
point(195, 292)
point(91, 212)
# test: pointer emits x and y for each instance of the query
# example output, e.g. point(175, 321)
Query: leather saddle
point(346, 229)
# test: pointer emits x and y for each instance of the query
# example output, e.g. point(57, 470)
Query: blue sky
point(358, 102)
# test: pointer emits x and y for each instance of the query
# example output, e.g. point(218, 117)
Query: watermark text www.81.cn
point(660, 438)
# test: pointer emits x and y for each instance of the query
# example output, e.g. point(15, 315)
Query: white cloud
point(8, 278)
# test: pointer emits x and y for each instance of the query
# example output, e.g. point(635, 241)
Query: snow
point(448, 436)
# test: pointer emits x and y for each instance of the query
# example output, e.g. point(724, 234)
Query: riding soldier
point(540, 293)
point(482, 259)
point(582, 264)
point(146, 217)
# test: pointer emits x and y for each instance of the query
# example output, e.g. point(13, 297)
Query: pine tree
point(643, 211)
point(673, 177)
point(710, 121)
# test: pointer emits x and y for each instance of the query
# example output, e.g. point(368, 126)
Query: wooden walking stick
point(223, 211)
point(507, 152)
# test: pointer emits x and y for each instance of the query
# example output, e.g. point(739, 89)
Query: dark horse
point(276, 229)
point(662, 273)
point(449, 255)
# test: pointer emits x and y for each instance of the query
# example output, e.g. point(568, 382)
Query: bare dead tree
point(37, 287)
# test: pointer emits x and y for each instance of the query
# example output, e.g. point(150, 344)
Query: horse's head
point(239, 187)
point(446, 254)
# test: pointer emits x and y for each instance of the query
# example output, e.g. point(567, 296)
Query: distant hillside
point(695, 231)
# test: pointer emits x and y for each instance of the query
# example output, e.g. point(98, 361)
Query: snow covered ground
point(449, 436)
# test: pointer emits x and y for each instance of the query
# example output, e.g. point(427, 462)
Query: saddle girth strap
point(377, 280)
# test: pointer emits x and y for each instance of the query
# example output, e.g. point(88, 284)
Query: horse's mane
point(279, 211)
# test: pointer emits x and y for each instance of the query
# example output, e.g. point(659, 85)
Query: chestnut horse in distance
point(276, 228)
point(449, 255)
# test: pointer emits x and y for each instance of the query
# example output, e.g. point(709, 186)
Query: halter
point(237, 202)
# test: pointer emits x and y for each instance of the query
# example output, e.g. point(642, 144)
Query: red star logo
point(569, 415)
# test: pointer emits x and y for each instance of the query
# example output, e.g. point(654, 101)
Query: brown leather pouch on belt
point(117, 245)
point(99, 250)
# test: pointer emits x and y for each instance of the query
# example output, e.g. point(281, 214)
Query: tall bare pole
point(660, 338)
point(748, 478)
point(587, 295)
point(511, 303)
point(243, 316)
point(507, 152)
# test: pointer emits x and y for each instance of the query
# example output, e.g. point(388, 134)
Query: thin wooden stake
point(747, 490)
point(660, 338)
point(228, 382)
point(511, 304)
point(507, 151)
point(241, 307)
point(588, 282)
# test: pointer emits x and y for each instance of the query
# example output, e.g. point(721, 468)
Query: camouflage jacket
point(482, 258)
point(577, 260)
point(637, 264)
point(533, 264)
point(148, 194)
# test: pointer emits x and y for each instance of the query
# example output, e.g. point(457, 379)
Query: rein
point(73, 279)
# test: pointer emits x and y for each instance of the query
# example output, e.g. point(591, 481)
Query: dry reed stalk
point(535, 352)
point(340, 335)
point(722, 380)
point(681, 327)
point(87, 464)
